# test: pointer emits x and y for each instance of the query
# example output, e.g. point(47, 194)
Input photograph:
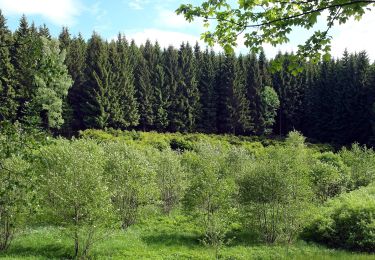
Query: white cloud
point(137, 4)
point(61, 12)
point(168, 18)
point(355, 36)
point(165, 38)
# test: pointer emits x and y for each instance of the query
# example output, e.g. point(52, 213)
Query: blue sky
point(156, 20)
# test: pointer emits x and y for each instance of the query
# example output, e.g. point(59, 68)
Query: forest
point(113, 150)
point(78, 85)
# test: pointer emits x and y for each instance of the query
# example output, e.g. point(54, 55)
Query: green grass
point(162, 238)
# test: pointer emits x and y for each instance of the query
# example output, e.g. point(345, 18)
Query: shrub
point(15, 190)
point(171, 178)
point(209, 197)
point(75, 194)
point(347, 221)
point(361, 162)
point(329, 176)
point(131, 179)
point(180, 144)
point(275, 191)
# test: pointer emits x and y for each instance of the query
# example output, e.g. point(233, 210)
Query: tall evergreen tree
point(96, 103)
point(25, 51)
point(144, 91)
point(290, 90)
point(207, 82)
point(187, 95)
point(124, 106)
point(8, 102)
point(172, 78)
point(161, 92)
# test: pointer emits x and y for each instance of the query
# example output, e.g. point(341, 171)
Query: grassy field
point(163, 238)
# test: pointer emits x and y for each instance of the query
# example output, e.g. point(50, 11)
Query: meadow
point(137, 195)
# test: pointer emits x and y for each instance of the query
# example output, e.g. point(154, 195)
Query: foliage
point(210, 194)
point(15, 190)
point(171, 179)
point(347, 221)
point(360, 160)
point(275, 191)
point(271, 21)
point(53, 82)
point(74, 193)
point(329, 176)
point(131, 179)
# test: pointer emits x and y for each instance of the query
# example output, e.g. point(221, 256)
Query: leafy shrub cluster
point(109, 180)
point(347, 221)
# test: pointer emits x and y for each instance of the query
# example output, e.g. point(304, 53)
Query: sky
point(156, 20)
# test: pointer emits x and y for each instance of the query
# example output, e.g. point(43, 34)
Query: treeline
point(119, 85)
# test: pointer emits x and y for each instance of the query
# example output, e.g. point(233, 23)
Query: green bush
point(275, 192)
point(181, 144)
point(209, 198)
point(131, 178)
point(74, 193)
point(15, 191)
point(361, 162)
point(347, 221)
point(329, 175)
point(171, 178)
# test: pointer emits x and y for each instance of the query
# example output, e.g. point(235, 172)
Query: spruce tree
point(8, 102)
point(124, 106)
point(161, 93)
point(76, 63)
point(172, 78)
point(208, 96)
point(290, 90)
point(187, 95)
point(96, 104)
point(25, 51)
point(144, 91)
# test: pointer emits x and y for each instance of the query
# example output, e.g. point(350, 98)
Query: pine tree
point(144, 91)
point(239, 104)
point(8, 102)
point(25, 51)
point(76, 63)
point(124, 106)
point(253, 90)
point(290, 91)
point(52, 82)
point(207, 82)
point(161, 93)
point(172, 78)
point(96, 104)
point(187, 95)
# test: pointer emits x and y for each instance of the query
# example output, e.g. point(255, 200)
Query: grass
point(162, 238)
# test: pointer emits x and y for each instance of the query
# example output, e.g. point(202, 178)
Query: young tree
point(276, 192)
point(131, 179)
point(209, 196)
point(75, 194)
point(52, 83)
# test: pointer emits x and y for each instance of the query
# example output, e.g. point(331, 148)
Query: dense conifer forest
point(117, 84)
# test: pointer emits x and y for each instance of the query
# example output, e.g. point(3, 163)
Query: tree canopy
point(272, 21)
